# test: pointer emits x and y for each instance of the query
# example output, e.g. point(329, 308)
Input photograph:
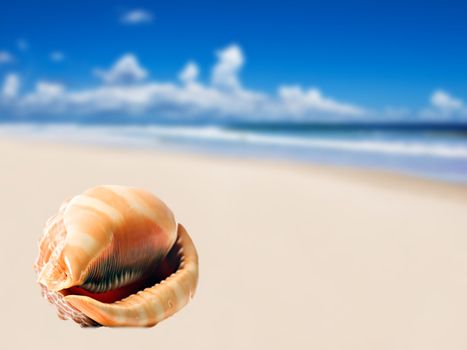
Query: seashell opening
point(114, 256)
point(125, 285)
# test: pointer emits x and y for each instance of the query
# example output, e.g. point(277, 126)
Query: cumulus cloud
point(49, 89)
point(57, 56)
point(125, 92)
point(48, 98)
point(189, 73)
point(164, 100)
point(444, 106)
point(125, 71)
point(296, 100)
point(6, 57)
point(225, 72)
point(137, 16)
point(11, 86)
point(443, 100)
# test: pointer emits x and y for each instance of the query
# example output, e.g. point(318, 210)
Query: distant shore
point(291, 255)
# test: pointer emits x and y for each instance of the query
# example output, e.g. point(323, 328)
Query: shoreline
point(369, 176)
point(443, 160)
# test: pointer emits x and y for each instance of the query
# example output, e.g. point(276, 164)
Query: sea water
point(433, 152)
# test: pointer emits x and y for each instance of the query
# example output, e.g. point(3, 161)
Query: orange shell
point(114, 256)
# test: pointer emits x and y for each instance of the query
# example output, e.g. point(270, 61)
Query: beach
point(291, 255)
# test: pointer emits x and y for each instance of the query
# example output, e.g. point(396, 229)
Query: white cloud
point(125, 71)
point(223, 97)
point(48, 98)
point(57, 56)
point(137, 16)
point(169, 100)
point(11, 86)
point(443, 100)
point(189, 73)
point(22, 44)
point(49, 89)
point(165, 100)
point(225, 72)
point(6, 57)
point(298, 101)
point(444, 106)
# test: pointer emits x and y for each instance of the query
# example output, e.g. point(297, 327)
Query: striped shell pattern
point(115, 256)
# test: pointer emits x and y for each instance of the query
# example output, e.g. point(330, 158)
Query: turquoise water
point(438, 154)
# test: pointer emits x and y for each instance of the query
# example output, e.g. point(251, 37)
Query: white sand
point(291, 257)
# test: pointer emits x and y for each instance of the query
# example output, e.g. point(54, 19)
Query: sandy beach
point(291, 256)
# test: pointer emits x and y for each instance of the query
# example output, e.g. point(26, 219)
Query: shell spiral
point(115, 256)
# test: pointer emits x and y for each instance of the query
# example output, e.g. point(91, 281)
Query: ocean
point(435, 151)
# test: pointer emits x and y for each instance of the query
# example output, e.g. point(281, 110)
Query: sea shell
point(114, 256)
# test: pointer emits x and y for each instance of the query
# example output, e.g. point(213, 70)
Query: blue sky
point(386, 59)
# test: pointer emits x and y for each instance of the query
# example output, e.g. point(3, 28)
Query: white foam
point(408, 148)
point(140, 134)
